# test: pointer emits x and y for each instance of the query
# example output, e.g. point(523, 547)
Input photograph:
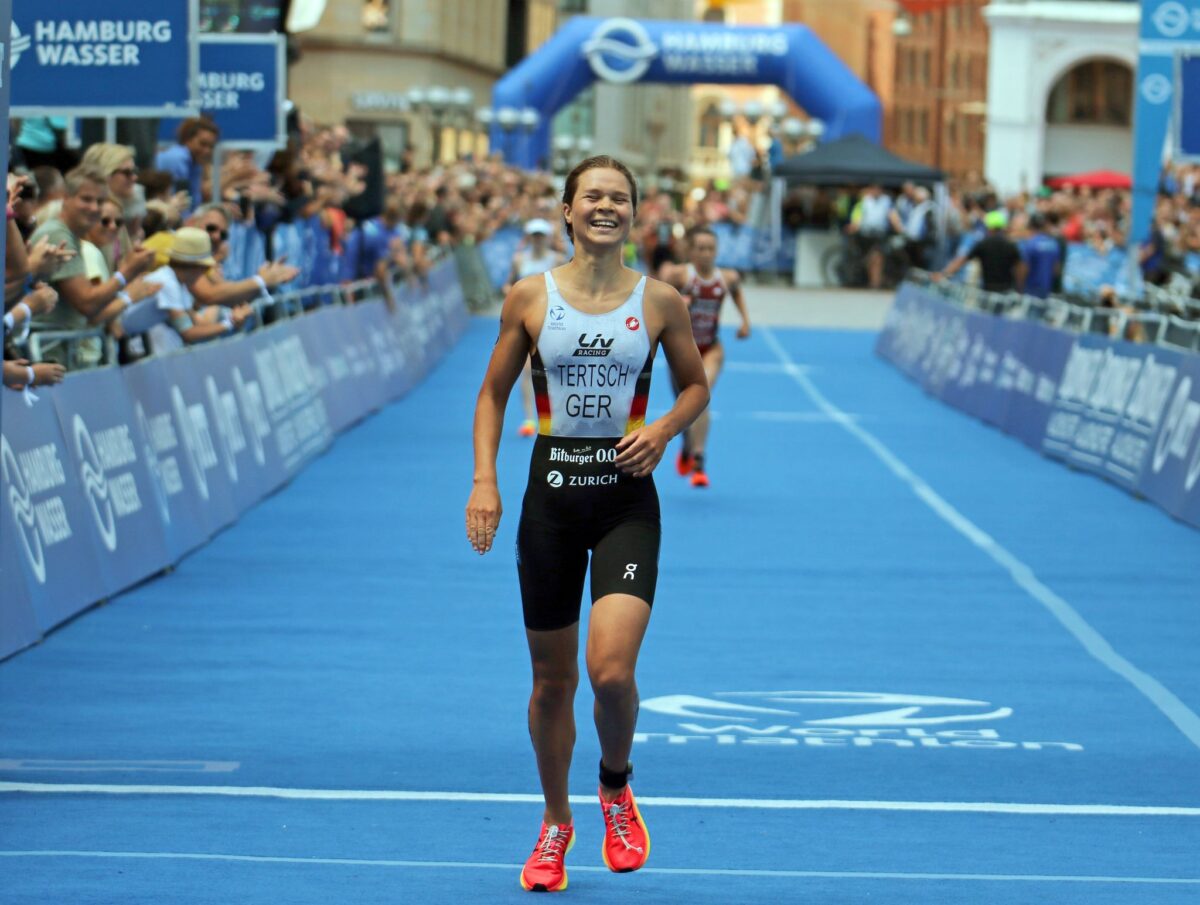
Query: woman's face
point(110, 222)
point(601, 212)
point(122, 180)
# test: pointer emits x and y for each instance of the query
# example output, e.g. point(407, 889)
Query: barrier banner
point(1171, 477)
point(185, 377)
point(498, 250)
point(1129, 413)
point(107, 450)
point(120, 471)
point(118, 58)
point(162, 422)
point(300, 427)
point(1107, 408)
point(18, 622)
point(332, 345)
point(46, 514)
point(237, 412)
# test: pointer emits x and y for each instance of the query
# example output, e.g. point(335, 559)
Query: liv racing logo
point(831, 719)
point(620, 50)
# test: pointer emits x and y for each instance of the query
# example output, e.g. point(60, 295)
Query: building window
point(952, 132)
point(710, 126)
point(926, 67)
point(923, 124)
point(572, 6)
point(955, 71)
point(1098, 92)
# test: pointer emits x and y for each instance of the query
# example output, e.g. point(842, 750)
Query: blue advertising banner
point(1128, 413)
point(202, 463)
point(1168, 29)
point(118, 58)
point(242, 88)
point(498, 250)
point(107, 450)
point(1172, 474)
point(625, 51)
point(236, 409)
point(18, 622)
point(161, 421)
point(45, 512)
point(119, 472)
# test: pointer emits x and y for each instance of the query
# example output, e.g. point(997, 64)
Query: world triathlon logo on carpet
point(620, 50)
point(829, 719)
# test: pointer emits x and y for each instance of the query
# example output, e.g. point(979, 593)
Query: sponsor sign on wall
point(81, 58)
point(1127, 412)
point(119, 472)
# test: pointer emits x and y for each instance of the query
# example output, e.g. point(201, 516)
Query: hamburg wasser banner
point(119, 57)
point(1127, 412)
point(119, 472)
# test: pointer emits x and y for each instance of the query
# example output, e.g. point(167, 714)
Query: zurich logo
point(19, 43)
point(555, 479)
point(620, 50)
point(557, 313)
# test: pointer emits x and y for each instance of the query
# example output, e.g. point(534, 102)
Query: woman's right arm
point(508, 358)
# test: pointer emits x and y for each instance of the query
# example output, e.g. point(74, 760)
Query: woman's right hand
point(483, 516)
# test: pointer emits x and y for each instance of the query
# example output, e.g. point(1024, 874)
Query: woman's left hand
point(639, 452)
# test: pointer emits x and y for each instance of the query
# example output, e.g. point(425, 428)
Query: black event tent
point(853, 160)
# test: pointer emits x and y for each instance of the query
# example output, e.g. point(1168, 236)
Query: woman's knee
point(554, 686)
point(611, 680)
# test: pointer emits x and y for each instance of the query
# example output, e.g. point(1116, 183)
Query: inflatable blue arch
point(628, 51)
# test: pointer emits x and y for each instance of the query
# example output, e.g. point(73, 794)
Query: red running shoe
point(684, 464)
point(699, 479)
point(626, 839)
point(545, 870)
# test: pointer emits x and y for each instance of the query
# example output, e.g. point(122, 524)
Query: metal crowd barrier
point(269, 309)
point(1154, 322)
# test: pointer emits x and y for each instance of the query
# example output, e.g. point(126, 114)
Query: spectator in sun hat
point(171, 317)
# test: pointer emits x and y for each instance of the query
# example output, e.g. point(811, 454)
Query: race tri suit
point(591, 381)
point(706, 297)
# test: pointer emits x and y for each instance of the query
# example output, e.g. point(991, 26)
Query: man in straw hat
point(170, 317)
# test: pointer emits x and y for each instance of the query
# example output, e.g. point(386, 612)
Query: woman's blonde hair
point(104, 158)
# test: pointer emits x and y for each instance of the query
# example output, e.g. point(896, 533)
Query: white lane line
point(669, 871)
point(764, 367)
point(1092, 641)
point(759, 804)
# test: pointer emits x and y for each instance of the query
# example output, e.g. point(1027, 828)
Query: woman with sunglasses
point(213, 288)
point(97, 251)
point(115, 164)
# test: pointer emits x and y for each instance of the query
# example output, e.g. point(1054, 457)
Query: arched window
point(710, 126)
point(1098, 92)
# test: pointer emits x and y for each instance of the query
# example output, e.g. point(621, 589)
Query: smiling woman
point(590, 329)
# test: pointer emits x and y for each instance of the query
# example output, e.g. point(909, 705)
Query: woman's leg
point(555, 658)
point(615, 632)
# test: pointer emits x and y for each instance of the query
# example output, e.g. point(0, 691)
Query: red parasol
point(1096, 179)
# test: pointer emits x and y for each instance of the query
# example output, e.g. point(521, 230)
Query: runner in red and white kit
point(704, 288)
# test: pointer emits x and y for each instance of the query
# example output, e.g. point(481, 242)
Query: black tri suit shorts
point(578, 502)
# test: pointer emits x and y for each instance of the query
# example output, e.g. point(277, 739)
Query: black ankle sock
point(613, 779)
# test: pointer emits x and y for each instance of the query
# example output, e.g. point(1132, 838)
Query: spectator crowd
point(145, 259)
